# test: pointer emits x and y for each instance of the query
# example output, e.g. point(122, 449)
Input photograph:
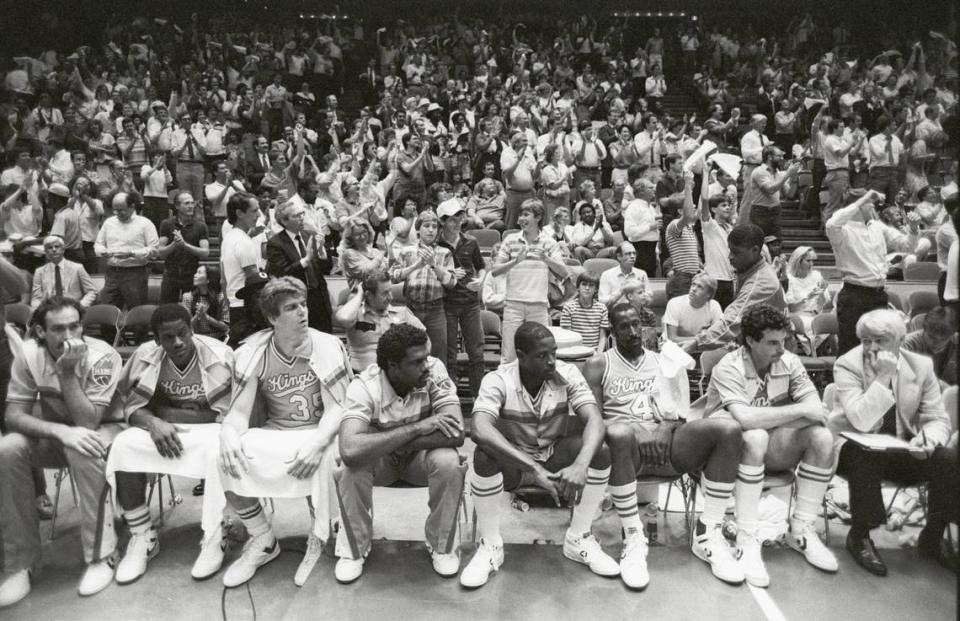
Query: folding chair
point(135, 330)
point(708, 360)
point(19, 315)
point(894, 300)
point(598, 265)
point(98, 318)
point(156, 483)
point(492, 339)
point(688, 490)
point(922, 302)
point(485, 238)
point(916, 322)
point(58, 477)
point(825, 324)
point(922, 270)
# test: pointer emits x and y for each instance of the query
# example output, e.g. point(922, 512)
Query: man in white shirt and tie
point(188, 146)
point(61, 278)
point(649, 142)
point(884, 150)
point(751, 150)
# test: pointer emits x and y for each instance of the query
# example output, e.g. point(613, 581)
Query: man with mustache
point(402, 422)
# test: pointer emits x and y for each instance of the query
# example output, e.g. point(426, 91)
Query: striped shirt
point(586, 322)
point(372, 399)
point(683, 246)
point(735, 381)
point(529, 280)
point(422, 285)
point(533, 423)
point(33, 378)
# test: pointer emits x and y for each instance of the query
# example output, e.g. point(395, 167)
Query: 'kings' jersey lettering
point(291, 390)
point(630, 392)
point(183, 389)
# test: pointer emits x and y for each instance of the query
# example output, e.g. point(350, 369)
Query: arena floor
point(535, 583)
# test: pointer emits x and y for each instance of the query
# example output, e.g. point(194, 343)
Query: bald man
point(128, 241)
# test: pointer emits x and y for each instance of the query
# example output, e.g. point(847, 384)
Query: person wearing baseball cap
point(461, 302)
point(66, 221)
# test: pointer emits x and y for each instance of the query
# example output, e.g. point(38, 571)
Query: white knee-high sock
point(811, 486)
point(486, 493)
point(590, 499)
point(138, 520)
point(625, 500)
point(715, 498)
point(255, 520)
point(748, 489)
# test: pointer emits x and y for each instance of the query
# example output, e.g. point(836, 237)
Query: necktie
point(889, 425)
point(651, 149)
point(57, 282)
point(301, 247)
point(264, 162)
point(890, 151)
point(190, 153)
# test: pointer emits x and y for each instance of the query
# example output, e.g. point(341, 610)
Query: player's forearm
point(237, 420)
point(593, 435)
point(358, 449)
point(435, 440)
point(85, 414)
point(493, 442)
point(31, 426)
point(760, 417)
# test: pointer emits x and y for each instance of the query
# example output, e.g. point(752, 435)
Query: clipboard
point(881, 442)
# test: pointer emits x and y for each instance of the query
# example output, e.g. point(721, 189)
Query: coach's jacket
point(915, 393)
point(138, 381)
point(328, 361)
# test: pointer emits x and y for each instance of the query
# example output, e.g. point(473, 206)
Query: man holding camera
point(73, 379)
point(764, 187)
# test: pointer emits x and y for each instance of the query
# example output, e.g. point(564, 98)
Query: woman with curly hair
point(357, 253)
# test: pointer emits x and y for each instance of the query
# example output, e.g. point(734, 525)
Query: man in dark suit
point(295, 252)
point(257, 164)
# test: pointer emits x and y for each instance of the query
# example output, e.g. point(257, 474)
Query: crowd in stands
point(532, 168)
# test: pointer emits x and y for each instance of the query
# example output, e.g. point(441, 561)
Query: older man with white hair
point(59, 277)
point(883, 389)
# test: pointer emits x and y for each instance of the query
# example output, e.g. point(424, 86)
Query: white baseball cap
point(449, 207)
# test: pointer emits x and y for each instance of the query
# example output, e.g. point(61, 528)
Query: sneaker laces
point(634, 543)
point(589, 544)
point(140, 542)
point(314, 547)
point(253, 546)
